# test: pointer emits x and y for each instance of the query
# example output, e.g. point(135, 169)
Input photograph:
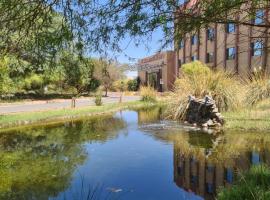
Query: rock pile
point(203, 112)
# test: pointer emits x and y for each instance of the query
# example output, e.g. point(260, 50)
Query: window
point(230, 53)
point(230, 28)
point(181, 44)
point(210, 34)
point(257, 48)
point(210, 57)
point(259, 17)
point(193, 58)
point(194, 39)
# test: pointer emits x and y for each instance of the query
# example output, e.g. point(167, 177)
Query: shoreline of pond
point(27, 119)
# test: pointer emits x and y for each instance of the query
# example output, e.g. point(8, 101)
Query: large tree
point(99, 25)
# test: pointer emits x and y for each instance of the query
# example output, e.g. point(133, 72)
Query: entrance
point(154, 80)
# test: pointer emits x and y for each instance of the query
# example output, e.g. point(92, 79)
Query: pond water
point(132, 155)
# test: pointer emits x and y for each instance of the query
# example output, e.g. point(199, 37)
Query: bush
point(258, 89)
point(98, 98)
point(119, 85)
point(198, 80)
point(254, 184)
point(133, 85)
point(148, 94)
point(33, 82)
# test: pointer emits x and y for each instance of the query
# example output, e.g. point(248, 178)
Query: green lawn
point(66, 114)
point(256, 118)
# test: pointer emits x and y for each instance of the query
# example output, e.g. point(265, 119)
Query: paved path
point(58, 104)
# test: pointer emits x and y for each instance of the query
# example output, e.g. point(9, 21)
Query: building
point(231, 47)
point(238, 49)
point(158, 70)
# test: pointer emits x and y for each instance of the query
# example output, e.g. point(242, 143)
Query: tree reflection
point(38, 163)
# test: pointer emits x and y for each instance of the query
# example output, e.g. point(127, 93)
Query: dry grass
point(148, 94)
point(198, 80)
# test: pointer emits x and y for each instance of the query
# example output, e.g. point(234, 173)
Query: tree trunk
point(106, 92)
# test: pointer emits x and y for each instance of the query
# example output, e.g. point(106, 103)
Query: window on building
point(259, 17)
point(210, 57)
point(210, 34)
point(230, 53)
point(193, 58)
point(257, 48)
point(194, 39)
point(181, 44)
point(230, 28)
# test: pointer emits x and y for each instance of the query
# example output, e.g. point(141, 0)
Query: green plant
point(148, 94)
point(133, 85)
point(198, 80)
point(98, 98)
point(254, 184)
point(33, 82)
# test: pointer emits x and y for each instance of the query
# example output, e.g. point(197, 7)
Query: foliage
point(148, 94)
point(120, 85)
point(34, 82)
point(5, 81)
point(133, 85)
point(108, 72)
point(98, 98)
point(258, 89)
point(254, 184)
point(225, 90)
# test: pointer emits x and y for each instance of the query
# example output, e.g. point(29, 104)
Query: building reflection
point(195, 172)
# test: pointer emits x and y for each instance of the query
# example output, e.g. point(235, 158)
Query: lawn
point(255, 118)
point(66, 114)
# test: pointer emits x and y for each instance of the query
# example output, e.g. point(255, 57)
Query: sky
point(131, 52)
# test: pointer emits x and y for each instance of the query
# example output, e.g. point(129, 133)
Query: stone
point(203, 112)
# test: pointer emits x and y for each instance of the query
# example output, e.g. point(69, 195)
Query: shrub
point(258, 89)
point(148, 94)
point(34, 82)
point(254, 184)
point(133, 85)
point(198, 80)
point(119, 85)
point(98, 98)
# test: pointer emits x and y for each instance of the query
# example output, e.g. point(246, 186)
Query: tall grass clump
point(254, 184)
point(258, 89)
point(198, 80)
point(98, 98)
point(148, 94)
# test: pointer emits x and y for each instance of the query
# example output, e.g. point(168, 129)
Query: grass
point(198, 80)
point(250, 118)
point(252, 185)
point(67, 114)
point(148, 94)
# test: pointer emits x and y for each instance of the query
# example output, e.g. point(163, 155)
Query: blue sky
point(132, 52)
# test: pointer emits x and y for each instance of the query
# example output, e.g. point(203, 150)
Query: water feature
point(131, 155)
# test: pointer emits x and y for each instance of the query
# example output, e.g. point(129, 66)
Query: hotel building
point(238, 49)
point(231, 47)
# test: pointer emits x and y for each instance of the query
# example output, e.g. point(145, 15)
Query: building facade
point(238, 49)
point(158, 70)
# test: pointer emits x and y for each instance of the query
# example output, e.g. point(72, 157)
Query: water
point(133, 155)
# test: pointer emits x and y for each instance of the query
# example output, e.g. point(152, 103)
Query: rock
point(203, 112)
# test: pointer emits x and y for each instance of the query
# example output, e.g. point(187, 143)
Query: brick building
point(235, 48)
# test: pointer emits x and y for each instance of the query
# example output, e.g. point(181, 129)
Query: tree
point(78, 72)
point(99, 25)
point(108, 72)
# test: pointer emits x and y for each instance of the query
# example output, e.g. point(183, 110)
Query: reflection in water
point(38, 163)
point(204, 163)
point(130, 154)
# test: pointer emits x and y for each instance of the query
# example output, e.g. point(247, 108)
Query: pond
point(131, 155)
